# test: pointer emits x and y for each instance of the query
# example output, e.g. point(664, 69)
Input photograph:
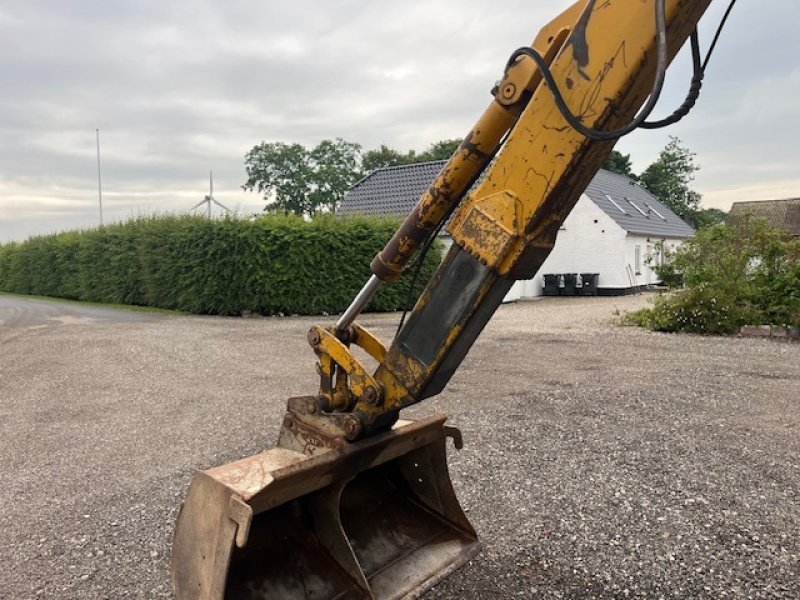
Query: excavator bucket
point(373, 519)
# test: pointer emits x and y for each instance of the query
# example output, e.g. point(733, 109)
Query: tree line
point(303, 181)
point(309, 181)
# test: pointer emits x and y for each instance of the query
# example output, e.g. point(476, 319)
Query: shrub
point(745, 274)
point(697, 309)
point(271, 264)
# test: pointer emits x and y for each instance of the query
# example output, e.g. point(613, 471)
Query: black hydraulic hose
point(699, 68)
point(694, 91)
point(717, 34)
point(697, 77)
point(572, 119)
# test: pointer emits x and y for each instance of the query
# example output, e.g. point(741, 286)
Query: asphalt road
point(599, 461)
point(20, 312)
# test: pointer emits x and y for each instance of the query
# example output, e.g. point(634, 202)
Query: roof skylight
point(610, 199)
point(658, 214)
point(636, 206)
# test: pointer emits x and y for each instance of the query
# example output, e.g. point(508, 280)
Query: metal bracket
point(523, 76)
point(336, 360)
point(241, 513)
point(455, 434)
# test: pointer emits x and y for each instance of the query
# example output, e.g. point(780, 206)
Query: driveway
point(20, 312)
point(599, 461)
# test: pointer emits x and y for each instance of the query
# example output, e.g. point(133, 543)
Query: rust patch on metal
point(472, 148)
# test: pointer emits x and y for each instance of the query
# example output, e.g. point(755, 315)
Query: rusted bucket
point(374, 519)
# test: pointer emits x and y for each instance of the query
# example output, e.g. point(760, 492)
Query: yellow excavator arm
point(533, 165)
point(353, 503)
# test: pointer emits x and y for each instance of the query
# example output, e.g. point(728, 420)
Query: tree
point(619, 163)
point(389, 157)
point(748, 273)
point(296, 180)
point(669, 179)
point(707, 217)
point(282, 173)
point(335, 167)
point(381, 157)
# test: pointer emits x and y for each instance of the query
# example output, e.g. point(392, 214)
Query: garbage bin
point(550, 285)
point(589, 287)
point(561, 282)
point(569, 284)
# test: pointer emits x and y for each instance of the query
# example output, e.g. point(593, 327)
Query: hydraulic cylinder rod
point(445, 193)
point(359, 303)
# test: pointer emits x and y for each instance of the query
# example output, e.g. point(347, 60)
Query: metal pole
point(99, 181)
point(359, 303)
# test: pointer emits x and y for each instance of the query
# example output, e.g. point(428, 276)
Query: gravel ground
point(599, 461)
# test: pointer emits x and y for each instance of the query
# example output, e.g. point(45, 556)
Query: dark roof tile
point(393, 191)
point(633, 208)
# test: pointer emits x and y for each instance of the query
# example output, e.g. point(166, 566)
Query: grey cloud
point(178, 88)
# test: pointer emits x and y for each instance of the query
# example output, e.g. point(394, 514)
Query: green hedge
point(272, 264)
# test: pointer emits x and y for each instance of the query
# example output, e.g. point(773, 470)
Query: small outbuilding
point(784, 214)
point(614, 231)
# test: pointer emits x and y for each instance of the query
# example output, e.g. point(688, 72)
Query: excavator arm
point(352, 502)
point(506, 191)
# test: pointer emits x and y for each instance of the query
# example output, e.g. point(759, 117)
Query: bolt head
point(352, 427)
point(371, 395)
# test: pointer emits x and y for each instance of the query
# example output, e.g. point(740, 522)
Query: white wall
point(591, 242)
point(650, 256)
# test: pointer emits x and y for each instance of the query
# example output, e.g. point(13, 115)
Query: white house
point(613, 231)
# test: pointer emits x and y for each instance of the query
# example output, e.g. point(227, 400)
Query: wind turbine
point(210, 197)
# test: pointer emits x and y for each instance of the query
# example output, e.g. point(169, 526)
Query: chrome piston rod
point(359, 303)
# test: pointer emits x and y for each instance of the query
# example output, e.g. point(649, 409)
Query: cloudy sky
point(178, 88)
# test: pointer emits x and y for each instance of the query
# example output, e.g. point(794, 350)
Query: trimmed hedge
point(272, 264)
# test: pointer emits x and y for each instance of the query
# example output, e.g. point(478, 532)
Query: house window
point(637, 259)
